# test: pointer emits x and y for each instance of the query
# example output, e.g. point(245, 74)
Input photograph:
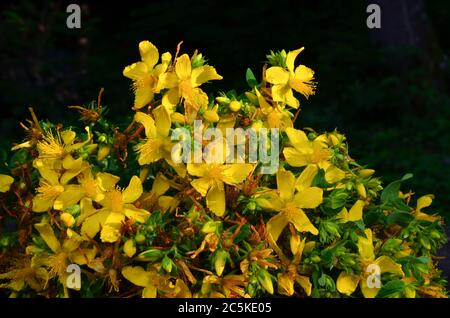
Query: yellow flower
point(63, 254)
point(289, 204)
point(155, 199)
point(25, 272)
point(158, 144)
point(212, 177)
point(301, 79)
point(347, 283)
point(355, 213)
point(424, 202)
point(184, 83)
point(230, 286)
point(57, 148)
point(53, 191)
point(275, 116)
point(145, 74)
point(5, 182)
point(305, 152)
point(153, 281)
point(287, 279)
point(117, 206)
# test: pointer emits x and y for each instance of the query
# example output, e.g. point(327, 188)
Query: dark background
point(386, 89)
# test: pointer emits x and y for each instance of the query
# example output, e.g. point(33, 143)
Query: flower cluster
point(115, 201)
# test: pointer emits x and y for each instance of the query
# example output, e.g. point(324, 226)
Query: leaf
point(399, 217)
point(19, 158)
point(243, 233)
point(338, 199)
point(390, 193)
point(392, 289)
point(251, 79)
point(319, 180)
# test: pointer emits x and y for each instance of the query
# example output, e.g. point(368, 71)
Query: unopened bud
point(235, 106)
point(129, 248)
point(67, 219)
point(265, 281)
point(220, 261)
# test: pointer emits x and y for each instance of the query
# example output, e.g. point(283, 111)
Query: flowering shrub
point(98, 210)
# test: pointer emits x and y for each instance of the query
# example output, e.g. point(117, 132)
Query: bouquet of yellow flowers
point(207, 196)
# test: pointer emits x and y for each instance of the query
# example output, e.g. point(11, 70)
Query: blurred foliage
point(396, 123)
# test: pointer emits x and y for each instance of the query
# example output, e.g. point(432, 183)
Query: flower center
point(51, 148)
point(116, 200)
point(50, 192)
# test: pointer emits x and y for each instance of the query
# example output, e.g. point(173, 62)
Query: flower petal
point(135, 71)
point(148, 123)
point(236, 173)
point(285, 184)
point(91, 226)
point(347, 283)
point(46, 232)
point(277, 75)
point(204, 74)
point(138, 276)
point(133, 191)
point(356, 211)
point(306, 177)
point(290, 58)
point(149, 54)
point(183, 67)
point(305, 283)
point(215, 200)
point(5, 182)
point(309, 198)
point(387, 265)
point(138, 215)
point(143, 95)
point(301, 222)
point(299, 140)
point(163, 121)
point(365, 246)
point(276, 225)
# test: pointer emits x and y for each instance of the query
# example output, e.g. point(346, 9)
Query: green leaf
point(243, 233)
point(392, 289)
point(338, 198)
point(19, 158)
point(251, 79)
point(319, 180)
point(390, 193)
point(399, 217)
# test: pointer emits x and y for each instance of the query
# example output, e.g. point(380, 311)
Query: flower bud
point(210, 227)
point(361, 190)
point(177, 118)
point(167, 264)
point(67, 219)
point(265, 281)
point(285, 284)
point(220, 261)
point(365, 173)
point(211, 116)
point(103, 152)
point(222, 100)
point(150, 255)
point(257, 125)
point(140, 238)
point(129, 248)
point(295, 244)
point(235, 106)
